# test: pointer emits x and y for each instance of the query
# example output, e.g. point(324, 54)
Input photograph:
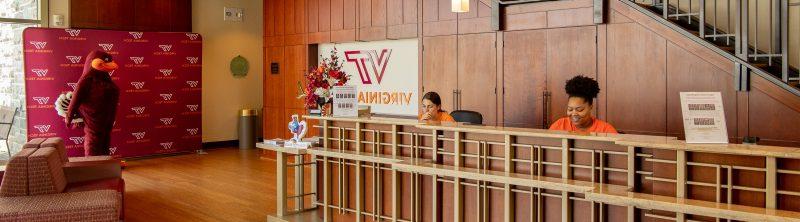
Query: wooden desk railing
point(402, 170)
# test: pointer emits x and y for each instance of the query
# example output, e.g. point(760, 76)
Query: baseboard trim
point(223, 144)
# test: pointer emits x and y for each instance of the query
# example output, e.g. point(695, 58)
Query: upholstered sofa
point(41, 183)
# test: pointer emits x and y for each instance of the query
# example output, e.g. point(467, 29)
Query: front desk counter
point(389, 169)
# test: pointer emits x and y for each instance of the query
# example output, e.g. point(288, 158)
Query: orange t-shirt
point(441, 117)
point(598, 126)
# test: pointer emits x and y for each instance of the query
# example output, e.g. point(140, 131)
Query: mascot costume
point(95, 100)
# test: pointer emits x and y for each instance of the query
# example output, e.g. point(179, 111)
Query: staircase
point(754, 31)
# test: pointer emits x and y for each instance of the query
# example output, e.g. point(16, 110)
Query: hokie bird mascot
point(95, 99)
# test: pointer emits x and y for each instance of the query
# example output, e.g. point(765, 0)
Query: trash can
point(247, 128)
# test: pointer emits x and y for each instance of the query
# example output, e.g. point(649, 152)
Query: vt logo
point(112, 150)
point(369, 62)
point(73, 32)
point(192, 131)
point(138, 109)
point(192, 83)
point(165, 72)
point(136, 35)
point(38, 45)
point(42, 128)
point(40, 72)
point(137, 60)
point(41, 100)
point(166, 97)
point(167, 145)
point(72, 85)
point(74, 59)
point(112, 72)
point(192, 60)
point(138, 135)
point(137, 85)
point(192, 107)
point(76, 140)
point(166, 121)
point(106, 46)
point(165, 48)
point(192, 36)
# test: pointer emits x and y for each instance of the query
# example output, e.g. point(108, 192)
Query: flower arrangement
point(320, 80)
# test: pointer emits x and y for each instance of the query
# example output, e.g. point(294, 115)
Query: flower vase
point(325, 109)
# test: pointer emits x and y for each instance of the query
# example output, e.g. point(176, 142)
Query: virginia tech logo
point(166, 97)
point(137, 60)
point(42, 128)
point(41, 100)
point(112, 72)
point(112, 150)
point(74, 59)
point(192, 131)
point(73, 32)
point(192, 83)
point(165, 48)
point(368, 63)
point(166, 121)
point(76, 140)
point(192, 108)
point(165, 72)
point(40, 72)
point(38, 45)
point(192, 60)
point(72, 85)
point(167, 145)
point(106, 46)
point(137, 85)
point(136, 35)
point(192, 36)
point(138, 135)
point(138, 109)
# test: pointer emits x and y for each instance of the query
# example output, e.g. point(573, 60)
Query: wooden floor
point(224, 185)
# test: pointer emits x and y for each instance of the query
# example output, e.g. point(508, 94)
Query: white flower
point(321, 92)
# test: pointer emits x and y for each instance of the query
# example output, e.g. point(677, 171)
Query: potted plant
point(316, 93)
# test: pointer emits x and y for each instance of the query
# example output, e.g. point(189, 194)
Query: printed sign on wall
point(385, 73)
point(158, 78)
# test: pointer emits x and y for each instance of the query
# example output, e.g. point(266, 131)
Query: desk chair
point(6, 120)
point(467, 116)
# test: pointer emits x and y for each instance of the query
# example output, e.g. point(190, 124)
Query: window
point(15, 16)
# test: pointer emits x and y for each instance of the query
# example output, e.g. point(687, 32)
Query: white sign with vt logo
point(385, 73)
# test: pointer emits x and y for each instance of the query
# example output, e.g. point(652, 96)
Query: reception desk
point(385, 169)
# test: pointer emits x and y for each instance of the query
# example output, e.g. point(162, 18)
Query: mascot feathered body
point(94, 100)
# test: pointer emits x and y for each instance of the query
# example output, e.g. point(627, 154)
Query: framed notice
point(704, 117)
point(345, 101)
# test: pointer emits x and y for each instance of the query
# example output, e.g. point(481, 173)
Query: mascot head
point(99, 61)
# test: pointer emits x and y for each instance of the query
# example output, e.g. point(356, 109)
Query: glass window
point(19, 9)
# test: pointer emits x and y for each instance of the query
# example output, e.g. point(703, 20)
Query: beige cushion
point(15, 178)
point(100, 205)
point(34, 143)
point(58, 143)
point(45, 175)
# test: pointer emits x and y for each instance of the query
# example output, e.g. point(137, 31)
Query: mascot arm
point(80, 93)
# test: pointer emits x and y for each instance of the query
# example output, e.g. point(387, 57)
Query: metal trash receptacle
point(247, 128)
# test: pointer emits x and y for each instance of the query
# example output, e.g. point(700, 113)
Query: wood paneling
point(636, 81)
point(274, 83)
point(273, 118)
point(570, 52)
point(295, 68)
point(524, 77)
point(772, 121)
point(689, 73)
point(476, 75)
point(439, 69)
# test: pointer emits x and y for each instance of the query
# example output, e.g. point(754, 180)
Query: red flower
point(336, 74)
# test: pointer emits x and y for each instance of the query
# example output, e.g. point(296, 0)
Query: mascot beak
point(101, 65)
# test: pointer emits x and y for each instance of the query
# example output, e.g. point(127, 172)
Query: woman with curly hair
point(582, 91)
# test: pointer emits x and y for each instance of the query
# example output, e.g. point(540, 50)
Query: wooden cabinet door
point(477, 75)
point(524, 72)
point(439, 68)
point(570, 52)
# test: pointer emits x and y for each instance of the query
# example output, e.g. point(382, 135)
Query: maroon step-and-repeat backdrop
point(158, 77)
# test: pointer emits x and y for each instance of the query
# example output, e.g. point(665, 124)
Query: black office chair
point(467, 116)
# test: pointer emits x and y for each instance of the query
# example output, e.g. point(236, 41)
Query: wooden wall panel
point(312, 15)
point(570, 52)
point(524, 77)
point(273, 119)
point(324, 22)
point(632, 70)
point(295, 63)
point(274, 83)
point(300, 17)
point(289, 17)
point(772, 121)
point(337, 15)
point(439, 69)
point(689, 73)
point(476, 75)
point(280, 17)
point(401, 19)
point(372, 20)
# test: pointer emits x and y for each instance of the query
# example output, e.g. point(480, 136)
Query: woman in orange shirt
point(432, 109)
point(582, 90)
